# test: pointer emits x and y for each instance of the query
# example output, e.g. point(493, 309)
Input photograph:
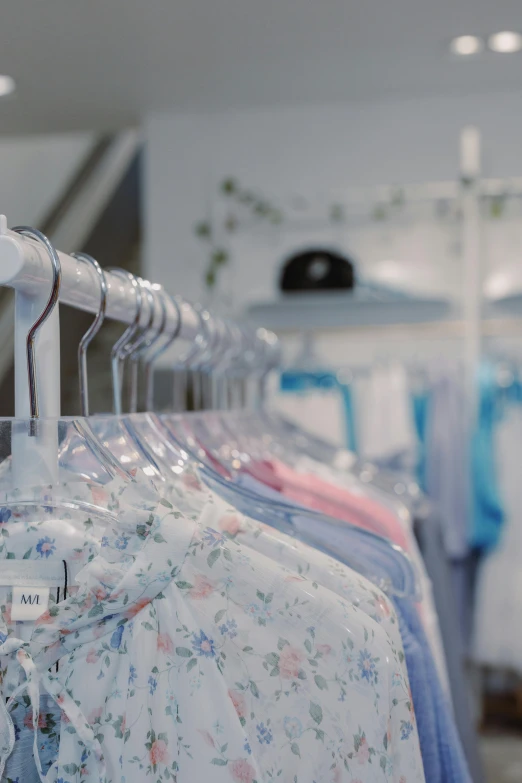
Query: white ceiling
point(104, 63)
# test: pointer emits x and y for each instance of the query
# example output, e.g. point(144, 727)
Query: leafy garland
point(259, 208)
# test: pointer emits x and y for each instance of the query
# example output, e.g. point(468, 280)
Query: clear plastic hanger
point(375, 557)
point(91, 332)
point(111, 430)
point(240, 443)
point(385, 564)
point(141, 343)
point(118, 433)
point(228, 356)
point(231, 449)
point(76, 444)
point(183, 378)
point(82, 455)
point(144, 450)
point(239, 439)
point(259, 435)
point(252, 434)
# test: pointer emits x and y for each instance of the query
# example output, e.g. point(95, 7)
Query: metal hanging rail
point(24, 266)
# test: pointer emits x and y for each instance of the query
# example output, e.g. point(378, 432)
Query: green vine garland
point(258, 207)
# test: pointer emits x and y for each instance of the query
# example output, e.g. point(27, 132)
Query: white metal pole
point(24, 266)
point(470, 166)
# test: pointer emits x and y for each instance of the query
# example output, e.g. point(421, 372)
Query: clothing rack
point(25, 266)
point(32, 268)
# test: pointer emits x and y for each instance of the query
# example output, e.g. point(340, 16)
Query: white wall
point(293, 150)
point(34, 170)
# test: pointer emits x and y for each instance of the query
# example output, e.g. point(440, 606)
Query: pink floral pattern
point(242, 771)
point(238, 700)
point(158, 753)
point(165, 643)
point(201, 588)
point(290, 663)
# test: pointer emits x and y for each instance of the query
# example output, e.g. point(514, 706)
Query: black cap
point(317, 269)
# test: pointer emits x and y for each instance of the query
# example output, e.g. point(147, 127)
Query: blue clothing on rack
point(301, 381)
point(450, 589)
point(20, 765)
point(422, 702)
point(488, 512)
point(420, 401)
point(447, 479)
point(349, 415)
point(442, 754)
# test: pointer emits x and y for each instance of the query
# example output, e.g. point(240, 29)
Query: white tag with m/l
point(29, 603)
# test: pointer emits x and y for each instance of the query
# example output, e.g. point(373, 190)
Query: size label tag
point(29, 603)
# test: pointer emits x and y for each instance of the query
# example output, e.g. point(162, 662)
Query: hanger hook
point(273, 361)
point(201, 357)
point(33, 233)
point(184, 363)
point(134, 349)
point(127, 335)
point(144, 340)
point(152, 357)
point(131, 349)
point(91, 332)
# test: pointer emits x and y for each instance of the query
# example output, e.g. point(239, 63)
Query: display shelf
point(371, 307)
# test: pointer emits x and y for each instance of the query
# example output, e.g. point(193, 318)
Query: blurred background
point(346, 174)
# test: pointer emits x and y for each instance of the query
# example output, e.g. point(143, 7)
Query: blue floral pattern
point(264, 735)
point(367, 666)
point(203, 645)
point(5, 514)
point(46, 547)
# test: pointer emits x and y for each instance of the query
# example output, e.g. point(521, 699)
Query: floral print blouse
point(186, 655)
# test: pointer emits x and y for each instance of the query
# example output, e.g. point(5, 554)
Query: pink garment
point(320, 495)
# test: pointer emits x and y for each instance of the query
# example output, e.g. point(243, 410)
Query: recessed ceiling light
point(466, 45)
point(7, 85)
point(506, 42)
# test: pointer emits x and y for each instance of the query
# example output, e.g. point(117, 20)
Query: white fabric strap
point(20, 573)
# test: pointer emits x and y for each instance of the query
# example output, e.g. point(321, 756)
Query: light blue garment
point(349, 414)
point(449, 764)
point(487, 508)
point(422, 703)
point(420, 402)
point(446, 471)
point(449, 583)
point(441, 419)
point(21, 767)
